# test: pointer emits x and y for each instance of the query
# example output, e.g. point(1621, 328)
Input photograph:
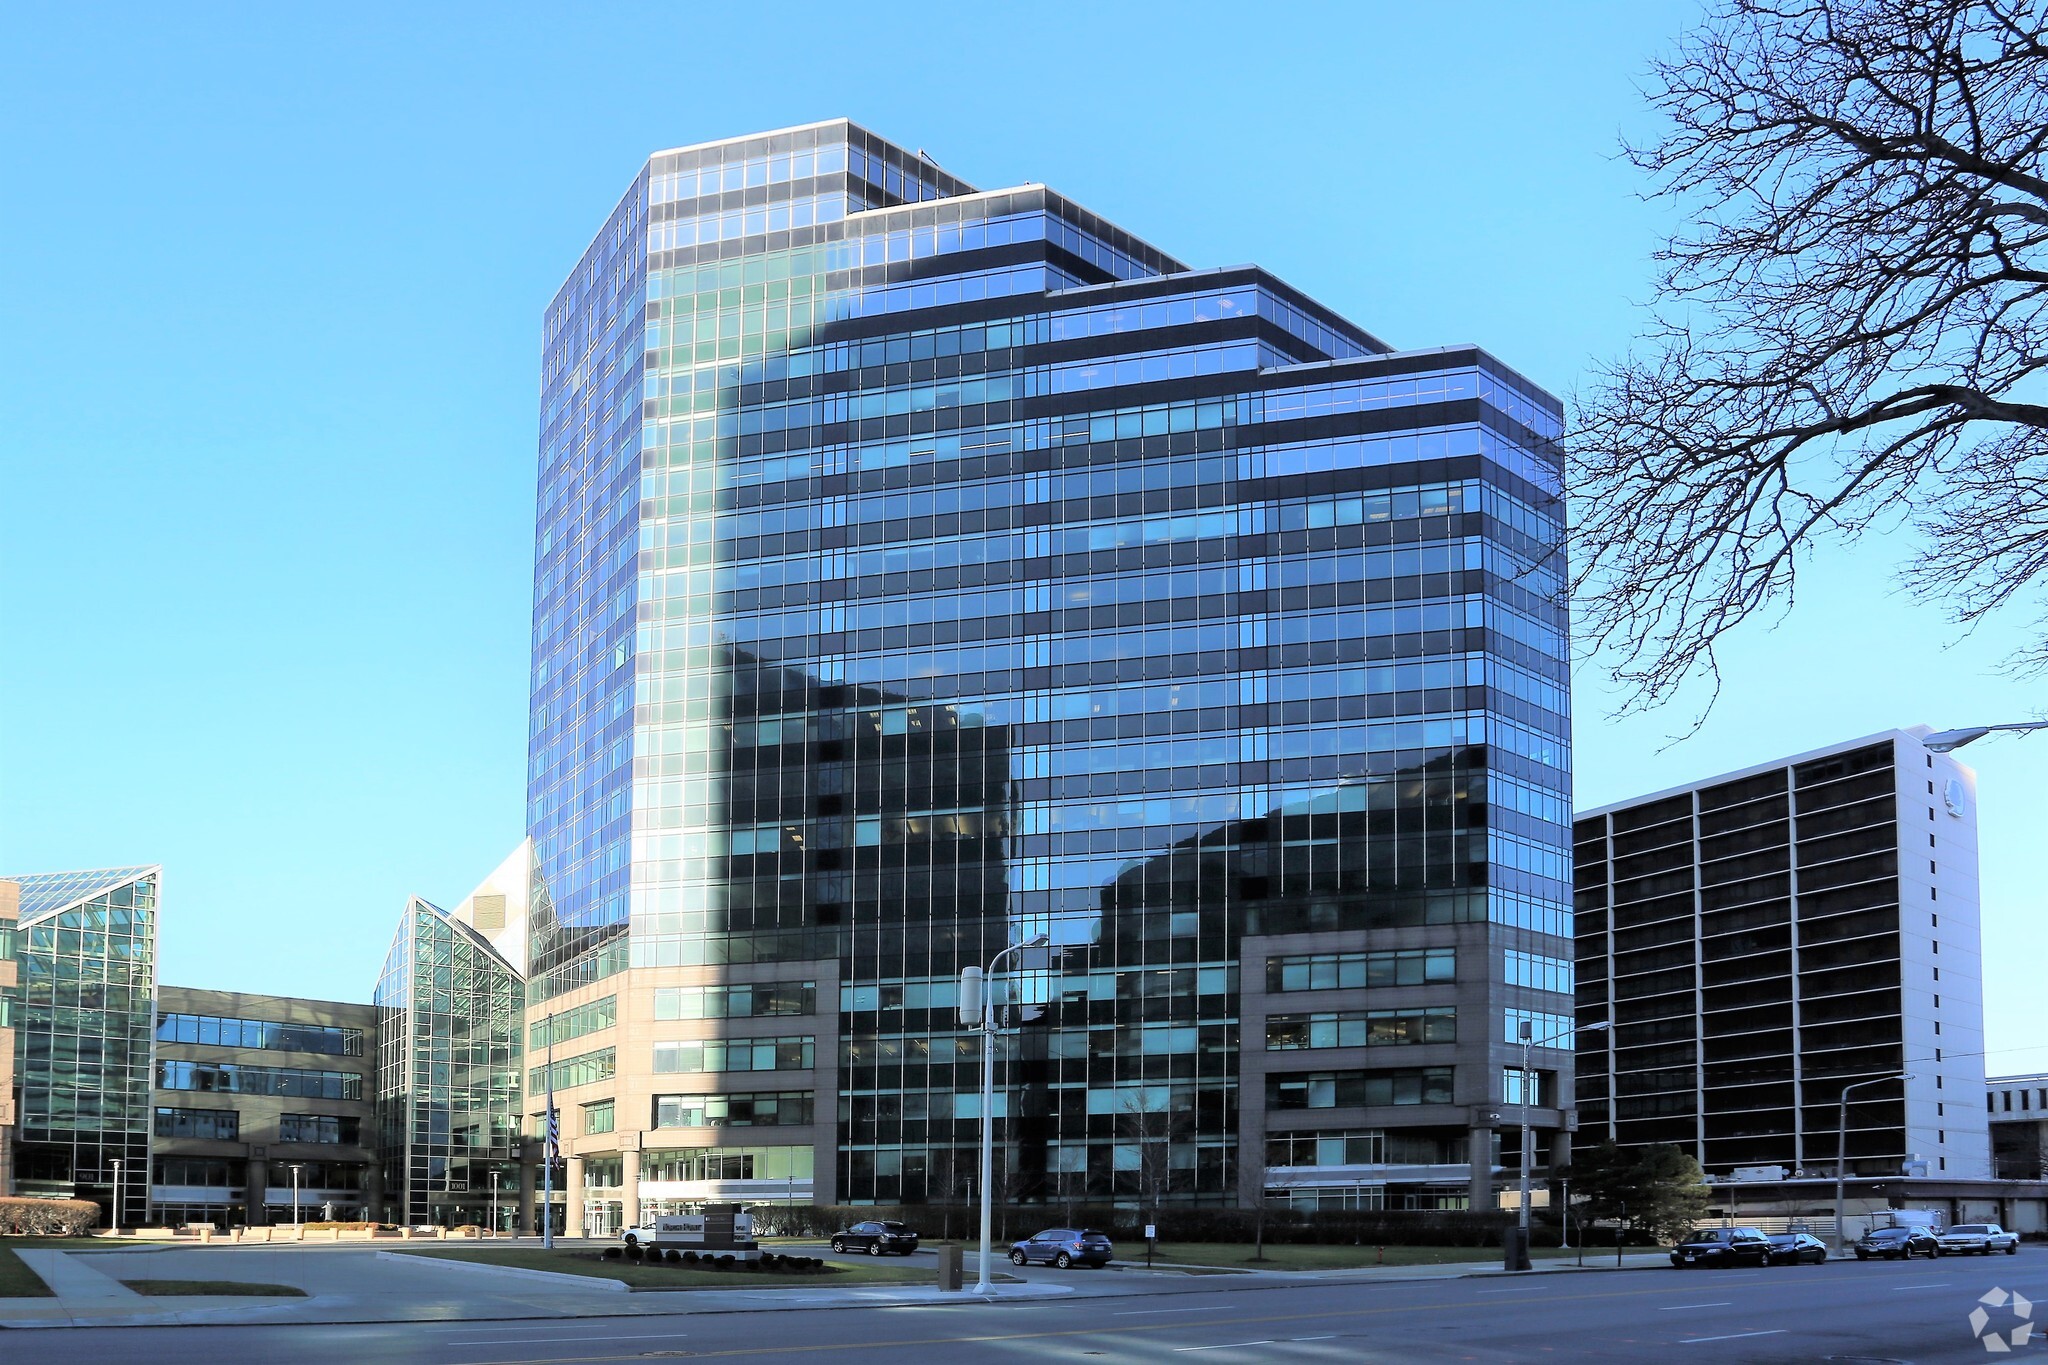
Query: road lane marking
point(1331, 1337)
point(1525, 1289)
point(1897, 1287)
point(563, 1341)
point(1119, 1329)
point(1227, 1346)
point(1732, 1336)
point(1140, 1312)
point(1676, 1306)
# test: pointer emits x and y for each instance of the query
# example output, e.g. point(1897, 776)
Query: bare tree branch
point(1849, 336)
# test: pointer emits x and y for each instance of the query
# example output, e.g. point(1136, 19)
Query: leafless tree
point(1848, 337)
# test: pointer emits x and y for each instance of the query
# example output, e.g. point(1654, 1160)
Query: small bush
point(672, 1256)
point(48, 1217)
point(727, 1261)
point(613, 1253)
point(769, 1260)
point(689, 1258)
point(634, 1253)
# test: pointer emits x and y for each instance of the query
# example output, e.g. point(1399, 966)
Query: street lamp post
point(117, 1196)
point(1524, 1031)
point(294, 1167)
point(1842, 1143)
point(978, 1012)
point(1947, 741)
point(494, 1203)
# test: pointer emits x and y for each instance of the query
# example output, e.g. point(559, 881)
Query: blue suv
point(1063, 1247)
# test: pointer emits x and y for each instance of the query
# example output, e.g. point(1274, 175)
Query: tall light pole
point(494, 1201)
point(294, 1167)
point(978, 1013)
point(1524, 1031)
point(1842, 1142)
point(117, 1196)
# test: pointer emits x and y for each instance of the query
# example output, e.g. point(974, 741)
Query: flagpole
point(550, 1139)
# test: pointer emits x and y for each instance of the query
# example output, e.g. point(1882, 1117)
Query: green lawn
point(1302, 1257)
point(17, 1281)
point(213, 1289)
point(665, 1276)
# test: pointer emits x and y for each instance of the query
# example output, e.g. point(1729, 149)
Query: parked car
point(1722, 1246)
point(1796, 1248)
point(877, 1239)
point(1897, 1244)
point(1979, 1239)
point(1063, 1247)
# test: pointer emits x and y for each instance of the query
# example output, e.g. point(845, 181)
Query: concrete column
point(1560, 1149)
point(630, 1187)
point(529, 1178)
point(1482, 1168)
point(572, 1197)
point(256, 1178)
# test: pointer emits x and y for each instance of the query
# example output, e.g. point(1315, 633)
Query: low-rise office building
point(1768, 942)
point(262, 1109)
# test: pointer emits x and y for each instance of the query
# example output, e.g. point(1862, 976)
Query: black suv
point(877, 1239)
point(1897, 1244)
point(1723, 1246)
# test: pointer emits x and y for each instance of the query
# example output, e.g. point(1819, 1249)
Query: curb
point(593, 1282)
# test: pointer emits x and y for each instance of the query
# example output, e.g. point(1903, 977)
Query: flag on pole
point(554, 1123)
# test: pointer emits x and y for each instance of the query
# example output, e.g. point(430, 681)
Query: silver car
point(1978, 1239)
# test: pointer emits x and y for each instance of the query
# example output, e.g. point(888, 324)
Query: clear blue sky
point(269, 332)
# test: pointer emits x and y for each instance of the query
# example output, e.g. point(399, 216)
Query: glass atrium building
point(84, 1030)
point(447, 1075)
point(919, 569)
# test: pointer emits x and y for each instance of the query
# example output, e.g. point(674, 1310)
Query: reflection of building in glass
point(913, 562)
point(84, 1029)
point(252, 1091)
point(448, 1058)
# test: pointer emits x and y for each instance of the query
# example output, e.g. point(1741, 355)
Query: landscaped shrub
point(48, 1217)
point(727, 1261)
point(690, 1258)
point(672, 1256)
point(634, 1253)
point(613, 1253)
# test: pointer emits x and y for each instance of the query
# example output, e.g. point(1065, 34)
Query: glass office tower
point(85, 1027)
point(919, 569)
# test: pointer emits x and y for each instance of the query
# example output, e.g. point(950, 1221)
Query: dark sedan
point(1796, 1248)
point(877, 1239)
point(1722, 1246)
point(1897, 1244)
point(1063, 1247)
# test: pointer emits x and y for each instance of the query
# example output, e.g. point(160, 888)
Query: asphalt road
point(1845, 1312)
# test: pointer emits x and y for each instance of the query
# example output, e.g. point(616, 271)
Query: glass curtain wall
point(920, 569)
point(448, 1087)
point(85, 1029)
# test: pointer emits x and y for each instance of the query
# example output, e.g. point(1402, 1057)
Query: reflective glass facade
point(448, 1051)
point(919, 568)
point(83, 1034)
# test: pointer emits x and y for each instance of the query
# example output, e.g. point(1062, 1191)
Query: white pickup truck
point(1978, 1238)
